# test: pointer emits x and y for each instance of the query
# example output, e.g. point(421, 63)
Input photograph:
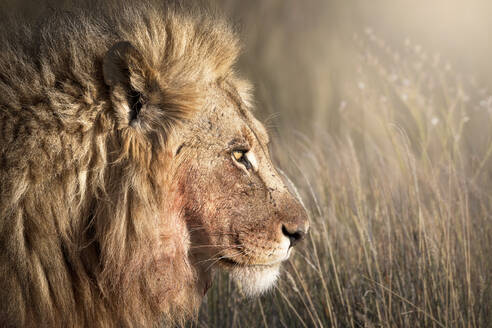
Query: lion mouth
point(228, 262)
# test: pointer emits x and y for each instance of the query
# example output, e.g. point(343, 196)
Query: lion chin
point(255, 280)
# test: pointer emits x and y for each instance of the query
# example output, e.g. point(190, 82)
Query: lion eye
point(237, 154)
point(240, 157)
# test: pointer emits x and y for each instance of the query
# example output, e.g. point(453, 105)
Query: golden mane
point(82, 242)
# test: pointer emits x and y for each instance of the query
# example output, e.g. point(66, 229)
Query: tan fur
point(118, 193)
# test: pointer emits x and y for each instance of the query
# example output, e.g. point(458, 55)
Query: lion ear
point(127, 74)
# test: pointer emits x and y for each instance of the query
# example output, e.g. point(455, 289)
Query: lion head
point(146, 173)
point(239, 213)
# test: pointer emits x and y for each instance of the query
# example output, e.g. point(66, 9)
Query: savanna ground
point(381, 113)
point(382, 116)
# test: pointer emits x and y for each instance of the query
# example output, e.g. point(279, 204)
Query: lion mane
point(82, 240)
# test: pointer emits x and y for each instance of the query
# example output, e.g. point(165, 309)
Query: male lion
point(131, 168)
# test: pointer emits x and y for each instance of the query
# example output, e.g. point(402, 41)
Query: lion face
point(238, 211)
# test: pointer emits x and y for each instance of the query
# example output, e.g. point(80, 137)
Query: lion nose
point(294, 233)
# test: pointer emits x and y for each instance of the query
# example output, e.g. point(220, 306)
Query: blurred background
point(307, 48)
point(381, 114)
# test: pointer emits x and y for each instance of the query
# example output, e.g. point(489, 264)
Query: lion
point(131, 169)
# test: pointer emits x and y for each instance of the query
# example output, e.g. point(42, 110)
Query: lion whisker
point(213, 258)
point(223, 257)
point(203, 246)
point(216, 259)
point(212, 233)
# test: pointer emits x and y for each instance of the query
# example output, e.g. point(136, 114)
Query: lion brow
point(257, 130)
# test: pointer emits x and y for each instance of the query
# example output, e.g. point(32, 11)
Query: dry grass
point(395, 169)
